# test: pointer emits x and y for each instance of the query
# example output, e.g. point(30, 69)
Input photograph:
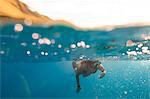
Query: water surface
point(33, 70)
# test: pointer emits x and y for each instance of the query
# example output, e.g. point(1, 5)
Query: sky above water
point(91, 13)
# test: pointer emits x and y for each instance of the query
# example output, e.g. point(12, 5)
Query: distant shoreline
point(13, 11)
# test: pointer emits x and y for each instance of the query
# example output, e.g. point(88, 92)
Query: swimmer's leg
point(78, 83)
point(102, 69)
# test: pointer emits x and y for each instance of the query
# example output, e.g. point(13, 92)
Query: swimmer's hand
point(102, 75)
point(78, 89)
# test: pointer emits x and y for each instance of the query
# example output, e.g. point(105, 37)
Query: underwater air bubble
point(52, 41)
point(72, 46)
point(137, 48)
point(59, 46)
point(46, 53)
point(67, 51)
point(145, 36)
point(123, 53)
point(47, 41)
point(79, 44)
point(139, 53)
point(23, 44)
point(44, 41)
point(33, 43)
point(28, 22)
point(144, 48)
point(18, 27)
point(125, 92)
point(130, 43)
point(2, 52)
point(28, 52)
point(83, 44)
point(131, 53)
point(140, 45)
point(145, 51)
point(36, 56)
point(55, 53)
point(87, 46)
point(41, 41)
point(35, 36)
point(42, 53)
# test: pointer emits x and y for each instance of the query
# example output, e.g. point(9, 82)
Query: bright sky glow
point(91, 13)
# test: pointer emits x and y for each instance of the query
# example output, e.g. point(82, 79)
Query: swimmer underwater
point(85, 68)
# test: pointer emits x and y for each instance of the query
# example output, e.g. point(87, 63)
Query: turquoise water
point(38, 75)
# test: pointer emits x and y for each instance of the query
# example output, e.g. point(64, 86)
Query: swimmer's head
point(97, 62)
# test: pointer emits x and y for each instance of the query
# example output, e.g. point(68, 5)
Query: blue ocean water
point(33, 70)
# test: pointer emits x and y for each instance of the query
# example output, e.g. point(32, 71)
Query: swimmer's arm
point(78, 81)
point(102, 69)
